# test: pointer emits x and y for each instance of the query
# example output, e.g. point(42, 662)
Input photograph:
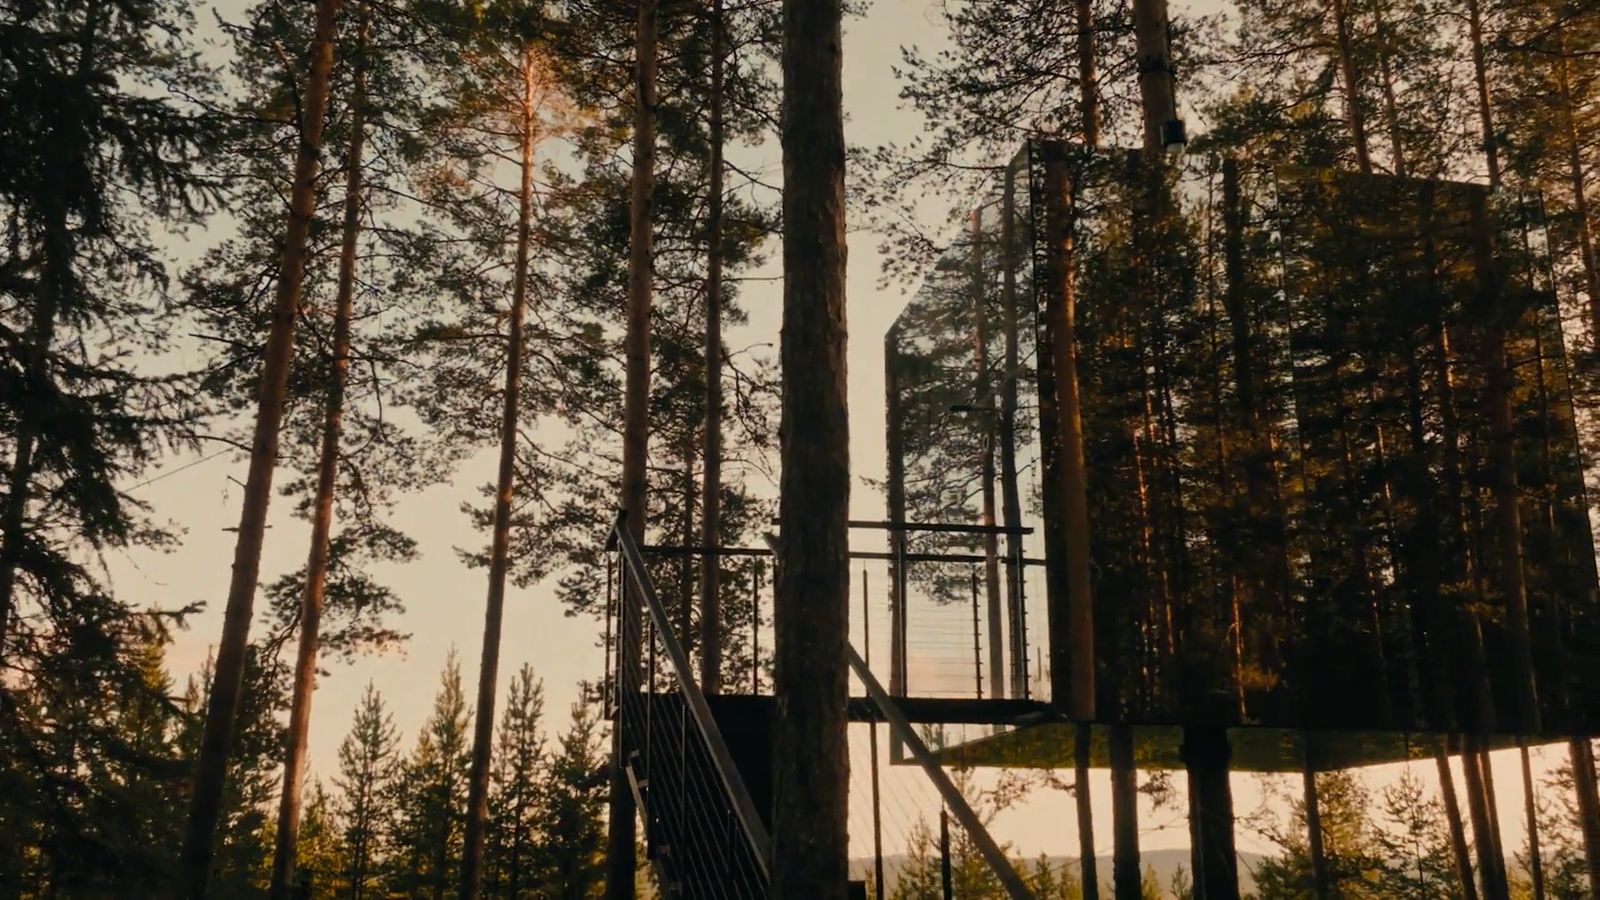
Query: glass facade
point(1332, 473)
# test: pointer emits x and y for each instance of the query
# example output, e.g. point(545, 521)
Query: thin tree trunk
point(505, 485)
point(1083, 735)
point(1125, 874)
point(1321, 886)
point(1485, 767)
point(1458, 834)
point(1491, 875)
point(621, 863)
point(1502, 452)
point(1531, 813)
point(686, 573)
point(983, 413)
point(1354, 114)
point(1583, 779)
point(711, 492)
point(1010, 494)
point(205, 804)
point(1391, 106)
point(1580, 198)
point(1480, 74)
point(311, 600)
point(810, 837)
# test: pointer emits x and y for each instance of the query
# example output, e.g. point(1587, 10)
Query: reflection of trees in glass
point(1297, 457)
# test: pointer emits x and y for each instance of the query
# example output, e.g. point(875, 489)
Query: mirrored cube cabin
point(1331, 471)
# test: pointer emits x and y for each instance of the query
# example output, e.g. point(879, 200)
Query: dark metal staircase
point(704, 834)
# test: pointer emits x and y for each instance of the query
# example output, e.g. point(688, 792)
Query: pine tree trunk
point(305, 668)
point(1484, 766)
point(1530, 812)
point(1490, 873)
point(1583, 779)
point(1458, 834)
point(686, 573)
point(1321, 886)
point(983, 417)
point(1355, 116)
point(1010, 494)
point(1154, 55)
point(1502, 453)
point(1206, 753)
point(205, 805)
point(1125, 873)
point(505, 486)
point(811, 624)
point(1083, 734)
point(1061, 314)
point(711, 492)
point(621, 863)
point(1391, 106)
point(1480, 74)
point(1088, 86)
point(1580, 198)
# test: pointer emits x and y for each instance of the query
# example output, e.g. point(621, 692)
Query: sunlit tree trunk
point(621, 826)
point(1158, 99)
point(711, 491)
point(205, 802)
point(1355, 115)
point(1480, 74)
point(1391, 106)
point(1580, 198)
point(305, 667)
point(505, 484)
point(1061, 312)
point(983, 414)
point(811, 624)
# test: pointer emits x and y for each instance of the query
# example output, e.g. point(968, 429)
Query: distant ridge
point(1165, 864)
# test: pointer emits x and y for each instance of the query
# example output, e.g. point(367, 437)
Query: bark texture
point(311, 599)
point(711, 491)
point(505, 485)
point(211, 771)
point(621, 825)
point(810, 839)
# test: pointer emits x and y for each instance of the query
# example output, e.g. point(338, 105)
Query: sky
point(444, 598)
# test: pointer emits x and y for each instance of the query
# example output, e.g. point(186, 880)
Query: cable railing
point(953, 803)
point(950, 621)
point(703, 833)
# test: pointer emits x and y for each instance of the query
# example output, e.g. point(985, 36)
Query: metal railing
point(953, 799)
point(703, 833)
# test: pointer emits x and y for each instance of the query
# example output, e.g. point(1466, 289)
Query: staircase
point(704, 835)
point(700, 768)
